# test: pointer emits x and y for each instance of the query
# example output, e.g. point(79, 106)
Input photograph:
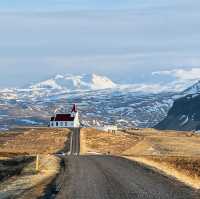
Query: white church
point(70, 120)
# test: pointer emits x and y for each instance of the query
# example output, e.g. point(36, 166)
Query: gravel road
point(108, 177)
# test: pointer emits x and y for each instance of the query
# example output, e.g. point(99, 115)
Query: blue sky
point(125, 40)
point(52, 5)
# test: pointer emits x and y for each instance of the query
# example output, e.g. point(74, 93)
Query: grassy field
point(31, 141)
point(165, 143)
point(100, 142)
point(175, 153)
point(18, 149)
point(188, 165)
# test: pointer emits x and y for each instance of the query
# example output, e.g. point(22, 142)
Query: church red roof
point(63, 117)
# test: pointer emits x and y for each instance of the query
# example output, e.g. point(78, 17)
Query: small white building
point(70, 120)
point(110, 128)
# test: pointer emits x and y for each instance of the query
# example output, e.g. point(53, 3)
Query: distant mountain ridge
point(194, 89)
point(100, 101)
point(67, 83)
point(91, 82)
point(76, 82)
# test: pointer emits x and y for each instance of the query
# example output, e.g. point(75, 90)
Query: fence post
point(37, 163)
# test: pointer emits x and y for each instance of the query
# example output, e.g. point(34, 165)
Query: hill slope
point(194, 89)
point(184, 114)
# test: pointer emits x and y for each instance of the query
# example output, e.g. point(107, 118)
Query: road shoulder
point(168, 170)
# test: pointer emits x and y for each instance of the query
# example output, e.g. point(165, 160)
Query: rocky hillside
point(184, 114)
point(95, 107)
point(100, 101)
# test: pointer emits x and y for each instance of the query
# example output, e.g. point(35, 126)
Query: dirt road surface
point(75, 142)
point(109, 177)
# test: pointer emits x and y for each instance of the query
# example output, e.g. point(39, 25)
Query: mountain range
point(76, 83)
point(100, 101)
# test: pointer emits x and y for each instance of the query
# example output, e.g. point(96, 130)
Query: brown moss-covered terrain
point(32, 141)
point(18, 149)
point(165, 143)
point(142, 142)
point(187, 165)
point(101, 142)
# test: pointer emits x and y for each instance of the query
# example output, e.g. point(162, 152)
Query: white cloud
point(192, 74)
point(182, 78)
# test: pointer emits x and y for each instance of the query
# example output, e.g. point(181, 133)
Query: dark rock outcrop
point(184, 114)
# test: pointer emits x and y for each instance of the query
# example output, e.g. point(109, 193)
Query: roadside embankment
point(185, 169)
point(26, 182)
point(13, 166)
point(29, 183)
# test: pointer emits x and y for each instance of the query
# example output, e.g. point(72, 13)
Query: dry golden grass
point(33, 141)
point(185, 169)
point(188, 165)
point(141, 142)
point(93, 140)
point(166, 143)
point(175, 153)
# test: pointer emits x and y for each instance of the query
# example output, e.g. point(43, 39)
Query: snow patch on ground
point(186, 119)
point(101, 82)
point(29, 121)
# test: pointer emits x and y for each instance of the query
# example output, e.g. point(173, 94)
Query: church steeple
point(74, 108)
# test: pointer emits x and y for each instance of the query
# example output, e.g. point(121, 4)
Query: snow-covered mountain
point(90, 82)
point(100, 101)
point(192, 90)
point(184, 114)
point(96, 107)
point(75, 83)
point(60, 85)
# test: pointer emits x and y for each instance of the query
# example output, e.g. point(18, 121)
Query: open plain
point(90, 163)
point(175, 153)
point(18, 150)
